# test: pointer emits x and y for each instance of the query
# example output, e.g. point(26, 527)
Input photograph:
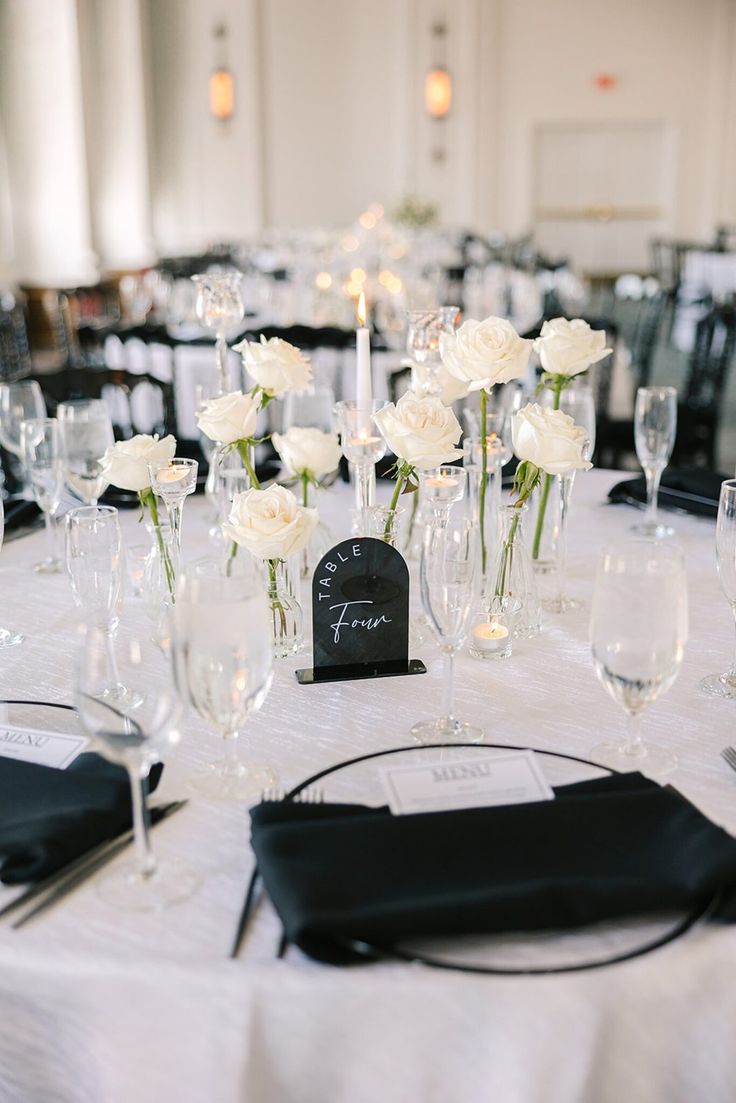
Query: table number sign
point(360, 614)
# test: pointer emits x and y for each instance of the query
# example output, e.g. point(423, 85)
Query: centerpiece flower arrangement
point(566, 350)
point(422, 434)
point(125, 465)
point(309, 454)
point(479, 355)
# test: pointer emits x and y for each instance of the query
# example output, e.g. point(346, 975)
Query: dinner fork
point(729, 754)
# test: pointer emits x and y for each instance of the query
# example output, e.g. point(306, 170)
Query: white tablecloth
point(99, 1007)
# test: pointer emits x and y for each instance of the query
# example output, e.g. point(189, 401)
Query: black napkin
point(20, 513)
point(691, 489)
point(612, 847)
point(48, 817)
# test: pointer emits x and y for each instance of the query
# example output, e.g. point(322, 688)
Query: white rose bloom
point(550, 439)
point(125, 463)
point(275, 365)
point(270, 523)
point(568, 348)
point(481, 354)
point(229, 418)
point(420, 431)
point(308, 450)
point(452, 389)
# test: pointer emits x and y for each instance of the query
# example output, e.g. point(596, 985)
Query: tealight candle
point(171, 474)
point(490, 637)
point(441, 482)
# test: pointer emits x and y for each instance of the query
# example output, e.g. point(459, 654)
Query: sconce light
point(221, 83)
point(438, 93)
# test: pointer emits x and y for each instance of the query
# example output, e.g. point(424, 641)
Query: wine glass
point(638, 632)
point(86, 434)
point(172, 482)
point(724, 685)
point(219, 307)
point(447, 573)
point(8, 638)
point(40, 443)
point(18, 403)
point(223, 660)
point(133, 733)
point(94, 563)
point(655, 427)
point(362, 445)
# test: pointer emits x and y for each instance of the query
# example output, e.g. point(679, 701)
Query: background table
point(101, 1007)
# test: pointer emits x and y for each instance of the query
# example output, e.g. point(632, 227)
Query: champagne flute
point(447, 573)
point(94, 562)
point(724, 685)
point(8, 638)
point(41, 452)
point(655, 428)
point(223, 661)
point(86, 434)
point(638, 630)
point(133, 733)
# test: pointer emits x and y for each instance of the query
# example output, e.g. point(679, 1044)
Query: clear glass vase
point(319, 544)
point(544, 534)
point(484, 496)
point(384, 523)
point(158, 585)
point(286, 612)
point(512, 574)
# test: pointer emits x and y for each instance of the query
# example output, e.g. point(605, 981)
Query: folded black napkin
point(616, 846)
point(49, 817)
point(691, 489)
point(20, 513)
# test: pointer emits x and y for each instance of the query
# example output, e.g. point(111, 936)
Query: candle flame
point(361, 309)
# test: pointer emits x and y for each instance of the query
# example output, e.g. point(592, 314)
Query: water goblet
point(362, 445)
point(655, 427)
point(447, 572)
point(41, 453)
point(172, 482)
point(638, 631)
point(8, 638)
point(219, 307)
point(724, 685)
point(223, 661)
point(133, 733)
point(441, 488)
point(86, 433)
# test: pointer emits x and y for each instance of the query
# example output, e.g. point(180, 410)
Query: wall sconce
point(221, 82)
point(438, 93)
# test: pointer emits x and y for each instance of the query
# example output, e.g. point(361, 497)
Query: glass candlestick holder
point(220, 307)
point(440, 489)
point(362, 445)
point(172, 482)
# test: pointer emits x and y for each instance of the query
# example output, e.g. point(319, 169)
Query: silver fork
point(729, 754)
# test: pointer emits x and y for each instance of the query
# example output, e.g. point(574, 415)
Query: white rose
point(452, 389)
point(568, 348)
point(549, 439)
point(270, 523)
point(275, 365)
point(308, 450)
point(420, 431)
point(229, 418)
point(125, 463)
point(483, 353)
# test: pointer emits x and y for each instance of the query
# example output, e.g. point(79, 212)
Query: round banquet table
point(105, 1007)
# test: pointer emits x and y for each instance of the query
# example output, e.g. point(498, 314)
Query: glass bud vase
point(286, 612)
point(158, 585)
point(512, 576)
point(384, 523)
point(544, 536)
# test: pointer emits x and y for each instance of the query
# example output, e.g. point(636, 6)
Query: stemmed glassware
point(19, 402)
point(424, 330)
point(447, 575)
point(134, 733)
point(41, 452)
point(440, 489)
point(223, 660)
point(638, 628)
point(86, 433)
point(219, 307)
point(94, 562)
point(724, 685)
point(363, 446)
point(487, 486)
point(655, 428)
point(172, 482)
point(8, 638)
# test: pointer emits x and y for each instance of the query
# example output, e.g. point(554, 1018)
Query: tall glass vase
point(513, 579)
point(484, 496)
point(551, 567)
point(286, 612)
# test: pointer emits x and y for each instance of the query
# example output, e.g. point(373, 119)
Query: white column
point(113, 78)
point(42, 119)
